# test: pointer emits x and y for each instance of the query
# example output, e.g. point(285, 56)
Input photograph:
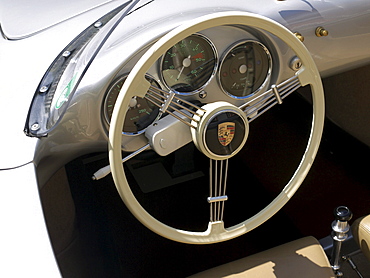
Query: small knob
point(342, 213)
point(321, 32)
point(299, 36)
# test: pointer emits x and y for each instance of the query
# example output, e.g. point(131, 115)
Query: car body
point(52, 141)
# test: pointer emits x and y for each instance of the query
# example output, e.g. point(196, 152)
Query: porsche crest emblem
point(226, 133)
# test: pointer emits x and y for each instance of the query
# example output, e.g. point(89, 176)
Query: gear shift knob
point(342, 213)
point(340, 228)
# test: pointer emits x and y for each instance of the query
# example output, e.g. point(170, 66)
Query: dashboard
point(224, 63)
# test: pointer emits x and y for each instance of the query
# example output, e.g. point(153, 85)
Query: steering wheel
point(137, 85)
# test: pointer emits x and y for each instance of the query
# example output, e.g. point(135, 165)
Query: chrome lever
point(102, 172)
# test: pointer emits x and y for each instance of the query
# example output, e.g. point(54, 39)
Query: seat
point(361, 233)
point(300, 258)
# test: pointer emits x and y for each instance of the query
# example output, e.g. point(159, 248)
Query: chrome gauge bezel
point(268, 75)
point(214, 71)
point(105, 103)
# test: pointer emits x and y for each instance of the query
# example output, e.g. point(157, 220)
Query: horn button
point(221, 131)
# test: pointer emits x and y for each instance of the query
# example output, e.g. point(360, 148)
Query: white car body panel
point(35, 38)
point(25, 246)
point(19, 22)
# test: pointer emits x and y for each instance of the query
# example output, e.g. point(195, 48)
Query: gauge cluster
point(202, 67)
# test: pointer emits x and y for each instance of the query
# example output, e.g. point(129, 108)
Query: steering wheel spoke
point(170, 103)
point(218, 170)
point(275, 95)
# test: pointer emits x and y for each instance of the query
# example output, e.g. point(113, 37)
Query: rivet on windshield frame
point(321, 32)
point(98, 24)
point(299, 36)
point(43, 89)
point(66, 53)
point(35, 127)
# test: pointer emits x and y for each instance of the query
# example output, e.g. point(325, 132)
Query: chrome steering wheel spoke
point(262, 103)
point(218, 170)
point(171, 103)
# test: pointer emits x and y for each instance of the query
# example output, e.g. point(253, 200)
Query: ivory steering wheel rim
point(136, 82)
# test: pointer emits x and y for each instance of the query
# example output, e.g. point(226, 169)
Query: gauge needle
point(198, 56)
point(185, 63)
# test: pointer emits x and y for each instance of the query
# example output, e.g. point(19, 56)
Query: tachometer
point(189, 65)
point(141, 112)
point(245, 69)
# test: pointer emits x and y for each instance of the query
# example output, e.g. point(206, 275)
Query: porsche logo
point(226, 133)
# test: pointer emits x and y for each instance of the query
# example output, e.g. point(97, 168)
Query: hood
point(23, 18)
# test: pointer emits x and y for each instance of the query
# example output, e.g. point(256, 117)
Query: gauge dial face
point(189, 65)
point(141, 112)
point(244, 69)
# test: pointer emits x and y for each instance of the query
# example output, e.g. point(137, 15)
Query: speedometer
point(188, 65)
